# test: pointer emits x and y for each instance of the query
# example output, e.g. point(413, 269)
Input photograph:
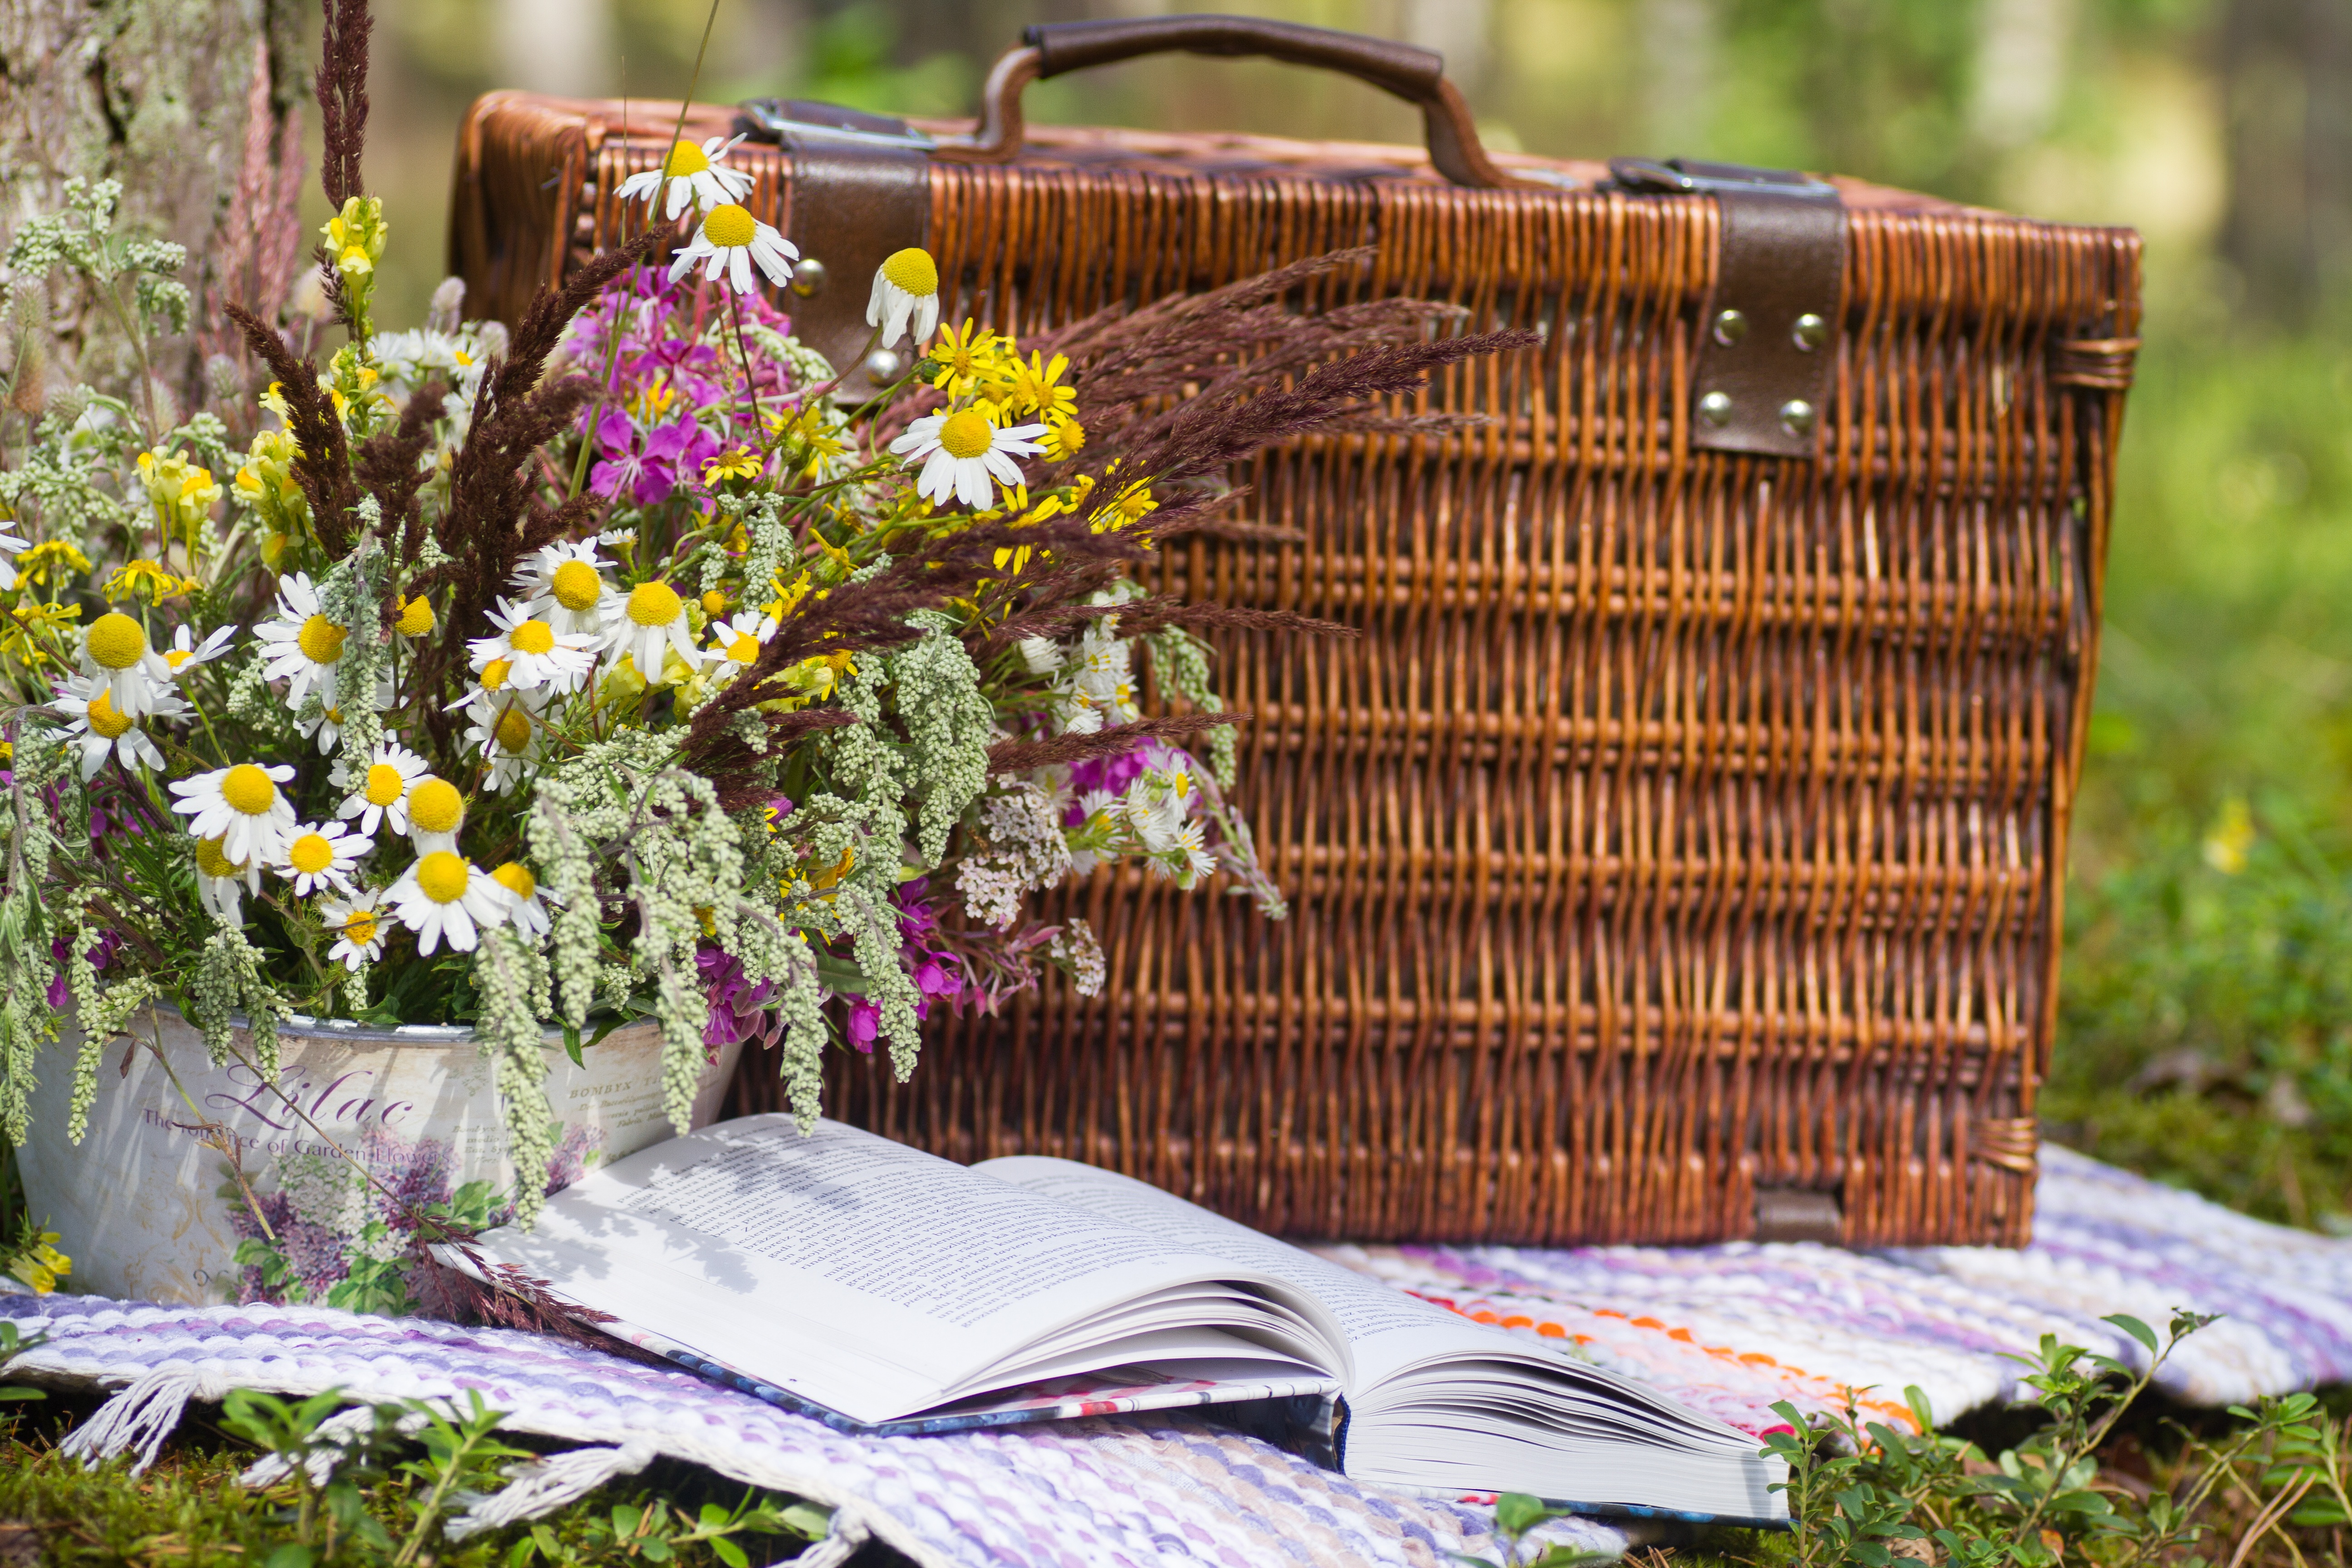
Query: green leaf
point(571, 1045)
point(727, 1551)
point(290, 1556)
point(519, 1554)
point(2135, 1329)
point(657, 1551)
point(1517, 1513)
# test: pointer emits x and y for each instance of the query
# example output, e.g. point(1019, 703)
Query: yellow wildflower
point(33, 566)
point(1063, 437)
point(30, 625)
point(737, 463)
point(39, 1265)
point(181, 493)
point(1037, 387)
point(156, 581)
point(964, 361)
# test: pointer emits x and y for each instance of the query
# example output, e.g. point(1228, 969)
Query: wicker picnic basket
point(1678, 856)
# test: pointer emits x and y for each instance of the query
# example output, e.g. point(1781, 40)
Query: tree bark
point(191, 105)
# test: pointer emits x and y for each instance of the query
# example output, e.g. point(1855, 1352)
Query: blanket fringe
point(545, 1485)
point(138, 1419)
point(839, 1545)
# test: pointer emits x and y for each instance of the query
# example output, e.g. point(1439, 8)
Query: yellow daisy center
point(967, 435)
point(495, 673)
point(211, 862)
point(913, 270)
point(310, 854)
point(385, 783)
point(531, 636)
point(577, 586)
point(714, 603)
point(104, 721)
point(729, 226)
point(116, 641)
point(415, 616)
point(320, 641)
point(441, 876)
point(248, 790)
point(359, 929)
point(516, 878)
point(435, 806)
point(514, 730)
point(745, 649)
point(176, 657)
point(654, 605)
point(685, 158)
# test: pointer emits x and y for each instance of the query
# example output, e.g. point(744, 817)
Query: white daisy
point(641, 622)
point(415, 618)
point(695, 177)
point(735, 642)
point(185, 654)
point(325, 719)
point(534, 651)
point(217, 876)
point(104, 731)
point(507, 735)
point(242, 807)
point(114, 651)
point(315, 858)
point(9, 545)
point(305, 646)
point(528, 909)
point(906, 285)
point(730, 238)
point(380, 791)
point(563, 584)
point(1192, 838)
point(959, 451)
point(444, 896)
point(617, 536)
point(358, 925)
point(437, 814)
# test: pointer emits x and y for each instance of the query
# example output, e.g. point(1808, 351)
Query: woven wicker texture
point(1684, 824)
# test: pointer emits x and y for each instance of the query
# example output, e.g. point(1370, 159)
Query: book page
point(852, 1272)
point(1387, 1330)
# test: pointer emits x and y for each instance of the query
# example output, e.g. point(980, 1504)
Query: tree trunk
point(2288, 68)
point(191, 104)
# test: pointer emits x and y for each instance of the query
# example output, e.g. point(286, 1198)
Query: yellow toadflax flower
point(181, 493)
point(38, 1265)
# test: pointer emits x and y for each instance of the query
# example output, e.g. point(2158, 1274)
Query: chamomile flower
point(642, 623)
point(505, 733)
point(380, 790)
point(322, 857)
point(735, 643)
point(1192, 839)
point(218, 878)
point(535, 653)
point(242, 807)
point(186, 654)
point(358, 925)
point(731, 239)
point(415, 618)
point(325, 719)
point(443, 896)
point(906, 287)
point(694, 176)
point(115, 651)
point(104, 732)
point(529, 909)
point(437, 813)
point(304, 647)
point(959, 452)
point(9, 545)
point(564, 584)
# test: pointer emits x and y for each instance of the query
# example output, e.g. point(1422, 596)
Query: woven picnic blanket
point(1726, 1329)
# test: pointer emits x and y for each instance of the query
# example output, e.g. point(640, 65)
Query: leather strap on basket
point(1768, 341)
point(855, 200)
point(1417, 75)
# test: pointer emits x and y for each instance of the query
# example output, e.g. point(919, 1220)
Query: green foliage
point(1517, 1515)
point(1864, 1495)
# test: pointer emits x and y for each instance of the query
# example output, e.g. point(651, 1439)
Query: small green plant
point(655, 1530)
point(14, 1342)
point(1516, 1516)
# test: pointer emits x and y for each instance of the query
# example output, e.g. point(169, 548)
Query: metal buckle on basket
point(1686, 176)
point(772, 120)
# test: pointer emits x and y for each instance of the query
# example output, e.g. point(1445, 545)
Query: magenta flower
point(865, 1025)
point(649, 470)
point(738, 1010)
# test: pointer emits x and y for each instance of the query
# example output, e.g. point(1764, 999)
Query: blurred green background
point(2208, 1029)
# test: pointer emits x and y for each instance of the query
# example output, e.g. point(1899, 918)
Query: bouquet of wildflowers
point(608, 663)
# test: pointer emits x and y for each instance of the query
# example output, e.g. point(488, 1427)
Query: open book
point(882, 1290)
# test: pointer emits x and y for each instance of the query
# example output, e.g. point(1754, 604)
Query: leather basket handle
point(1417, 75)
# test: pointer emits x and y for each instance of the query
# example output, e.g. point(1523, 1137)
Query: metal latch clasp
point(1767, 342)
